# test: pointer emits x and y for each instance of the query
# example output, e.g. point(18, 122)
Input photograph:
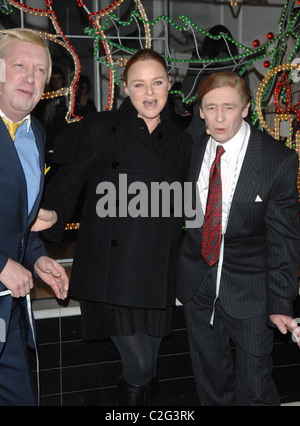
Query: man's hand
point(53, 274)
point(16, 278)
point(44, 220)
point(285, 324)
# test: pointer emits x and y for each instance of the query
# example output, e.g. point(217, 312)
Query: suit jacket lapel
point(197, 159)
point(11, 161)
point(198, 151)
point(248, 184)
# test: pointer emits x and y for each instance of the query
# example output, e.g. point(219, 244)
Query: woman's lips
point(150, 104)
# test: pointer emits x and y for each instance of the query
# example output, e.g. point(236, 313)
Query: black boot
point(130, 395)
point(135, 395)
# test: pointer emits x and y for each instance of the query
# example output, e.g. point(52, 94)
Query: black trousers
point(224, 378)
point(17, 387)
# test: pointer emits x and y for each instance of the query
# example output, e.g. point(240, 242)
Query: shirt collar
point(27, 118)
point(233, 146)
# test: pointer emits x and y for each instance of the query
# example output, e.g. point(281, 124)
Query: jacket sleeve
point(34, 249)
point(3, 260)
point(283, 239)
point(74, 153)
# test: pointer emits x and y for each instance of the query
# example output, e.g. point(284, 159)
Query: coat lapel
point(11, 163)
point(198, 151)
point(13, 166)
point(197, 158)
point(248, 184)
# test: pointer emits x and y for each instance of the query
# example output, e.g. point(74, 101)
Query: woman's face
point(147, 85)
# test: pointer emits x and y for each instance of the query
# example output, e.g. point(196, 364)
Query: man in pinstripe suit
point(251, 288)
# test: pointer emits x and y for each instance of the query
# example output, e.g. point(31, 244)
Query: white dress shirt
point(231, 162)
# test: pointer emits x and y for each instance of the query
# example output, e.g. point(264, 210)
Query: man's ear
point(201, 113)
point(246, 110)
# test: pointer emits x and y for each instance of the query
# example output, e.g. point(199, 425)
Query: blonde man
point(27, 69)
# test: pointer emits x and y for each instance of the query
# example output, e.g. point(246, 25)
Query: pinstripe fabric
point(220, 381)
point(260, 267)
point(262, 241)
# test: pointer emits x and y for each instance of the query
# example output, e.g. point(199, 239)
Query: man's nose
point(220, 114)
point(29, 75)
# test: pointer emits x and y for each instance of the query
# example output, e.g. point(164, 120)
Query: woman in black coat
point(124, 265)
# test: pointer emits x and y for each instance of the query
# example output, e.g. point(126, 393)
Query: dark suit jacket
point(16, 240)
point(262, 241)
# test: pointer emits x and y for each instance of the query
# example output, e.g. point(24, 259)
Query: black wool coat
point(127, 261)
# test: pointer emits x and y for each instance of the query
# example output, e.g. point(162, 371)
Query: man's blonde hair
point(26, 35)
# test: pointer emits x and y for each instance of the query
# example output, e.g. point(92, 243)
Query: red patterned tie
point(212, 227)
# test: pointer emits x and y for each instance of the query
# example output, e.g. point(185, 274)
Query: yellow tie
point(12, 127)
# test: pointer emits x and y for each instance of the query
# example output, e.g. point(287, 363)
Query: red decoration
point(256, 43)
point(284, 84)
point(103, 12)
point(267, 64)
point(270, 36)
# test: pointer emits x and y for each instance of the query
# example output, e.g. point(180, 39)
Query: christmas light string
point(5, 8)
point(64, 42)
point(284, 113)
point(95, 18)
point(270, 50)
point(243, 60)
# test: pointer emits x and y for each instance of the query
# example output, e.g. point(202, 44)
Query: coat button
point(114, 129)
point(114, 243)
point(115, 165)
point(160, 135)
